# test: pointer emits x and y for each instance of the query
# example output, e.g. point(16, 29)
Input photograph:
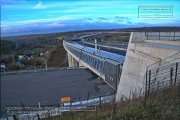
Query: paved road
point(112, 50)
point(49, 87)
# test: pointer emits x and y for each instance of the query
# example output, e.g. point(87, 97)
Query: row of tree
point(7, 46)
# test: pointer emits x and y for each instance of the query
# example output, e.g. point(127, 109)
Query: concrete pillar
point(69, 60)
point(80, 64)
point(72, 62)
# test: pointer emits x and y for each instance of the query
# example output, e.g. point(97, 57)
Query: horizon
point(90, 30)
point(22, 17)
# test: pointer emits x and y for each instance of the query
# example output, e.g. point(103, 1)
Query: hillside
point(161, 106)
point(38, 46)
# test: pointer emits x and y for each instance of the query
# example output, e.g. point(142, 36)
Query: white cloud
point(39, 6)
point(6, 24)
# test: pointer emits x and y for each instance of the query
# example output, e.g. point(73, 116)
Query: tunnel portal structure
point(106, 65)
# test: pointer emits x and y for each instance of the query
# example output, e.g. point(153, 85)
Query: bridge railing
point(163, 36)
point(92, 60)
point(141, 36)
point(110, 69)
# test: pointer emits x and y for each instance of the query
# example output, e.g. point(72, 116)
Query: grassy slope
point(164, 105)
point(56, 56)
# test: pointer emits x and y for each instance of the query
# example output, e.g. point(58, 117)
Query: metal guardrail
point(163, 74)
point(39, 70)
point(55, 109)
point(162, 36)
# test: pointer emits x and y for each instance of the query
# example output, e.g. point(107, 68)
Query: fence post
point(100, 101)
point(158, 86)
point(176, 73)
point(146, 84)
point(88, 96)
point(70, 105)
point(171, 75)
point(79, 101)
point(149, 85)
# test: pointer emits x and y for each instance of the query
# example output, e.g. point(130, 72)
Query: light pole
point(95, 46)
point(83, 41)
point(45, 64)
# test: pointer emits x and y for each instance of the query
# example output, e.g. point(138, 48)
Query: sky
point(47, 16)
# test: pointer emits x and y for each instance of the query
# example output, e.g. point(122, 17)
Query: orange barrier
point(65, 99)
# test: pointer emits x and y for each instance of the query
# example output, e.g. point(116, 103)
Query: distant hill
point(150, 29)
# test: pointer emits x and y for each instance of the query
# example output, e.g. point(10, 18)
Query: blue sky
point(45, 16)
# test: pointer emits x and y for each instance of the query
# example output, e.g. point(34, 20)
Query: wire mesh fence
point(39, 70)
point(159, 78)
point(44, 111)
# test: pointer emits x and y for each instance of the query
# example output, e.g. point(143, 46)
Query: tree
point(7, 46)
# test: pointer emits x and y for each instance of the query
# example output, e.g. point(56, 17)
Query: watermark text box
point(155, 11)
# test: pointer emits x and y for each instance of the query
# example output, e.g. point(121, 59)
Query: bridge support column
point(80, 64)
point(71, 61)
point(75, 62)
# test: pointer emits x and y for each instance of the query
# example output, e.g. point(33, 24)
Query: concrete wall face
point(138, 37)
point(138, 57)
point(164, 42)
point(69, 60)
point(75, 62)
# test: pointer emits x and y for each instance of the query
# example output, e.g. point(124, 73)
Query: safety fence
point(44, 111)
point(162, 36)
point(39, 70)
point(162, 77)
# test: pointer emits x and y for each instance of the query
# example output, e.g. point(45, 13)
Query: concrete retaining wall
point(138, 57)
point(164, 42)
